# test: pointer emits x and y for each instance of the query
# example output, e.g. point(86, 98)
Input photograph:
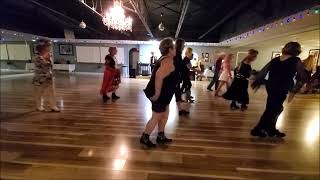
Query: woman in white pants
point(43, 81)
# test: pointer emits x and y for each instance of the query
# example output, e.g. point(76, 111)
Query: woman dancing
point(160, 90)
point(281, 73)
point(238, 91)
point(186, 81)
point(309, 65)
point(225, 76)
point(111, 78)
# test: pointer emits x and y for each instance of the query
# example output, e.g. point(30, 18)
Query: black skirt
point(238, 91)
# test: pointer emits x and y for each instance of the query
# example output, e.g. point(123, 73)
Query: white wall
point(146, 49)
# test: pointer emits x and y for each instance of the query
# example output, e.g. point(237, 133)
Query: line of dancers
point(166, 77)
point(171, 70)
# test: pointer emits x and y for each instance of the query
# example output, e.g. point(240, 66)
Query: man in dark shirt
point(153, 60)
point(216, 73)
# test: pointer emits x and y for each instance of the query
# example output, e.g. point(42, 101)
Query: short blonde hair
point(165, 45)
point(188, 50)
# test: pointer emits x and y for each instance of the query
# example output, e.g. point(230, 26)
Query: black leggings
point(273, 109)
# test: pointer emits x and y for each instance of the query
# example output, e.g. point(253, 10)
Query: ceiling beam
point(226, 18)
point(165, 6)
point(140, 9)
point(182, 16)
point(63, 15)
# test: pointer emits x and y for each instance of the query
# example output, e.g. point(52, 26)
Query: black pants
point(215, 80)
point(177, 93)
point(273, 109)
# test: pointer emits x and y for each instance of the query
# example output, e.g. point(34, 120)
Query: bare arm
point(165, 69)
point(229, 71)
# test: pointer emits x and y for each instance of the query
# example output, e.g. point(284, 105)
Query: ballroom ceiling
point(193, 20)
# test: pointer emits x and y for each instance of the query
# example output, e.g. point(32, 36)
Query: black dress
point(279, 83)
point(168, 88)
point(178, 65)
point(238, 90)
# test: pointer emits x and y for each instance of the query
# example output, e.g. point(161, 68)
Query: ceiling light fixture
point(82, 25)
point(161, 25)
point(116, 19)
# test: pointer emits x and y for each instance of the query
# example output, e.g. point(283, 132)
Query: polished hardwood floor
point(90, 140)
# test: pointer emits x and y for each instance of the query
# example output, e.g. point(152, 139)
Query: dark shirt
point(152, 60)
point(185, 70)
point(111, 60)
point(281, 74)
point(243, 71)
point(218, 66)
point(168, 85)
point(177, 61)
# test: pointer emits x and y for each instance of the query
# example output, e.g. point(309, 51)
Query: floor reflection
point(122, 156)
point(312, 131)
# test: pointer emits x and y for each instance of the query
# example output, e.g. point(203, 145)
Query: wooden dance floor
point(90, 140)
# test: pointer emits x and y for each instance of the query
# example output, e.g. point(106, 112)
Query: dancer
point(160, 90)
point(281, 72)
point(179, 45)
point(217, 68)
point(200, 69)
point(111, 77)
point(309, 65)
point(238, 91)
point(225, 76)
point(153, 60)
point(186, 81)
point(43, 80)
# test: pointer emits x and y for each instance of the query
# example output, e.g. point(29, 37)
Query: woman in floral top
point(43, 77)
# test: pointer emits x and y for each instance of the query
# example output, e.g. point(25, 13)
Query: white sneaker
point(40, 109)
point(55, 109)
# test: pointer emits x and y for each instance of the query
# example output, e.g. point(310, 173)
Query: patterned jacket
point(43, 72)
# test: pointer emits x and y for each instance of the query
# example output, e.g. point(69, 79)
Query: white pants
point(47, 91)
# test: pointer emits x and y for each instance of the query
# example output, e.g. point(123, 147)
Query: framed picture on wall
point(315, 53)
point(275, 54)
point(65, 49)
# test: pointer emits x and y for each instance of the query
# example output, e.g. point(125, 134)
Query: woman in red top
point(111, 78)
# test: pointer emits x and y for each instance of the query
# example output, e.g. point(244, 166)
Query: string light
point(286, 20)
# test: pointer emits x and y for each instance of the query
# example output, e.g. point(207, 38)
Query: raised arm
point(165, 69)
point(261, 75)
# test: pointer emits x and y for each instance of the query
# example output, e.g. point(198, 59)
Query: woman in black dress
point(238, 91)
point(160, 90)
point(281, 73)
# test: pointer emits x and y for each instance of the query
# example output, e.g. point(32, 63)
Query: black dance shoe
point(183, 112)
point(146, 141)
point(244, 107)
point(234, 106)
point(258, 132)
point(209, 89)
point(276, 133)
point(162, 139)
point(105, 98)
point(114, 96)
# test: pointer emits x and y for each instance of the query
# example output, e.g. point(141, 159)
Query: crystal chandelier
point(116, 19)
